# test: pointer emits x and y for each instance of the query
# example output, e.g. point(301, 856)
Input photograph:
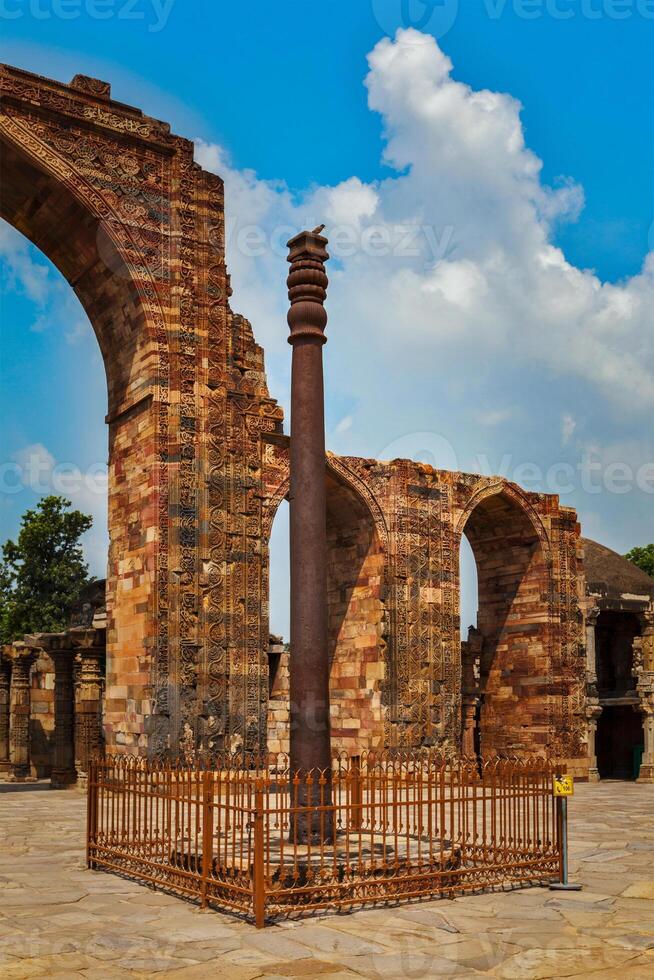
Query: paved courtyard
point(58, 919)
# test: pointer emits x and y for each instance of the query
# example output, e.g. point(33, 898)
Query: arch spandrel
point(484, 490)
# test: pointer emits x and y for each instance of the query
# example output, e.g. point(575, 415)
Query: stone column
point(471, 650)
point(19, 709)
point(593, 713)
point(646, 774)
point(63, 769)
point(592, 615)
point(593, 707)
point(89, 739)
point(644, 673)
point(5, 681)
point(469, 711)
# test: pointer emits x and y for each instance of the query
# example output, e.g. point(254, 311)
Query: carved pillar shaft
point(591, 650)
point(644, 671)
point(469, 709)
point(89, 739)
point(5, 681)
point(19, 721)
point(63, 770)
point(646, 774)
point(593, 771)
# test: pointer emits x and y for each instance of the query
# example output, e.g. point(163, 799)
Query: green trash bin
point(638, 753)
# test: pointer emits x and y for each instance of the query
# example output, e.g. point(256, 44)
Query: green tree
point(643, 557)
point(41, 574)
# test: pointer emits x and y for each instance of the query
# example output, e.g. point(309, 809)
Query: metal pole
point(309, 665)
point(563, 884)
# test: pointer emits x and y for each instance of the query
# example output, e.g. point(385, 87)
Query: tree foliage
point(643, 557)
point(42, 573)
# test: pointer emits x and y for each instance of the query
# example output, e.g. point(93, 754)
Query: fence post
point(563, 787)
point(356, 796)
point(91, 811)
point(258, 871)
point(207, 833)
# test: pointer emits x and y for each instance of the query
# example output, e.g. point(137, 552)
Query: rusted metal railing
point(405, 826)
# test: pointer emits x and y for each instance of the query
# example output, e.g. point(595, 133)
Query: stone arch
point(338, 467)
point(51, 201)
point(45, 199)
point(357, 543)
point(507, 663)
point(116, 201)
point(521, 500)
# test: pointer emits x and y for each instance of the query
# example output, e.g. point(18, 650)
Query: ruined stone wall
point(116, 201)
point(356, 622)
point(198, 465)
point(527, 551)
point(513, 576)
point(42, 718)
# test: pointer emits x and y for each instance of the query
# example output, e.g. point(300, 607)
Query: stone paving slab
point(58, 919)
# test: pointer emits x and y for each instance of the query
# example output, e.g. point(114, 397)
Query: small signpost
point(563, 786)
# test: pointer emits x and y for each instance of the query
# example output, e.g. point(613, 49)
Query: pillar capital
point(592, 614)
point(307, 286)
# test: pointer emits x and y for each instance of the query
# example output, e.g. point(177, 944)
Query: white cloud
point(36, 465)
point(56, 306)
point(344, 425)
point(503, 287)
point(568, 427)
point(39, 471)
point(469, 305)
point(492, 417)
point(21, 271)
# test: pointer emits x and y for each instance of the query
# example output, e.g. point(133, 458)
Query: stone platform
point(58, 919)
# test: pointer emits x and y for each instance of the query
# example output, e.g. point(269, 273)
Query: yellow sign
point(564, 786)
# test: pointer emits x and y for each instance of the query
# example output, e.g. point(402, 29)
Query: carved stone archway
point(117, 203)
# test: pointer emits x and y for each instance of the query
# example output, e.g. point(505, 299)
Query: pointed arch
point(507, 660)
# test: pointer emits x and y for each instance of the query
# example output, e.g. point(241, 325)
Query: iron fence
point(382, 827)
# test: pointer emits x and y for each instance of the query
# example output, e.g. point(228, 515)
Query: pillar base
point(593, 776)
point(21, 774)
point(63, 779)
point(646, 774)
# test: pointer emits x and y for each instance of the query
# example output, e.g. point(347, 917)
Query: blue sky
point(489, 351)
